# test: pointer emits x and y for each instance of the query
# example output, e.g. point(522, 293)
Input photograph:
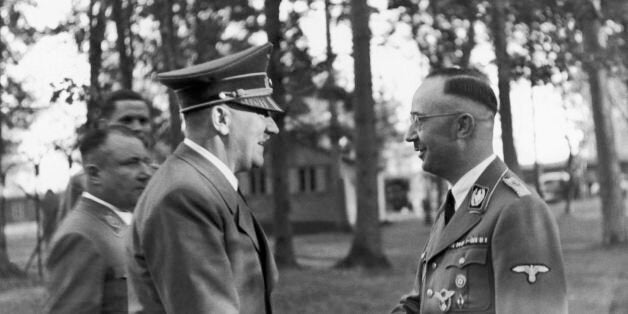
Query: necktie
point(450, 204)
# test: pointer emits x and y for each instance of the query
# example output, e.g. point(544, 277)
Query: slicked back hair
point(467, 83)
point(92, 142)
point(109, 104)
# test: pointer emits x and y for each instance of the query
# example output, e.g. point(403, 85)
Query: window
point(258, 182)
point(309, 179)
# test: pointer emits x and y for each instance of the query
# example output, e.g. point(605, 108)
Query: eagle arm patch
point(531, 270)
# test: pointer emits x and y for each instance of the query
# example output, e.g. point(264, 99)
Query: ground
point(597, 276)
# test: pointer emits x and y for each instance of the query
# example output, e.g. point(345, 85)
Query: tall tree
point(366, 248)
point(331, 91)
point(282, 227)
point(124, 41)
point(97, 27)
point(609, 173)
point(15, 112)
point(169, 47)
point(498, 27)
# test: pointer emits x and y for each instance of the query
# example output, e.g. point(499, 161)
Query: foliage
point(444, 30)
point(16, 110)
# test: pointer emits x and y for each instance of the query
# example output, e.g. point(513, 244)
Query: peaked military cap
point(240, 78)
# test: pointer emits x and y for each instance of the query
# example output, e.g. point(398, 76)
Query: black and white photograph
point(314, 156)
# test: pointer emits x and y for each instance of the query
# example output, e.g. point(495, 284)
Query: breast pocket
point(115, 291)
point(470, 279)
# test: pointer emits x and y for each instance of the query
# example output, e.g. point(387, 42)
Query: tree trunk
point(207, 32)
point(570, 187)
point(97, 25)
point(169, 44)
point(123, 42)
point(470, 44)
point(7, 269)
point(537, 167)
point(284, 247)
point(336, 188)
point(609, 172)
point(503, 73)
point(366, 249)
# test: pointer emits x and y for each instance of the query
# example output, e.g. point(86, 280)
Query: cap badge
point(444, 297)
point(531, 270)
point(477, 196)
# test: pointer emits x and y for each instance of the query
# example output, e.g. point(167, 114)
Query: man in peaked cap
point(494, 247)
point(195, 246)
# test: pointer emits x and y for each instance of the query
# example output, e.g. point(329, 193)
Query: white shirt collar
point(464, 184)
point(215, 161)
point(127, 217)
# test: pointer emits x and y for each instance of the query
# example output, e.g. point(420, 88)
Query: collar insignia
point(531, 270)
point(478, 194)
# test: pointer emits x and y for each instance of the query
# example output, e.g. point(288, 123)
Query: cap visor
point(265, 103)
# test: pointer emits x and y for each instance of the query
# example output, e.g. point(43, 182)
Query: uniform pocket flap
point(468, 256)
point(116, 272)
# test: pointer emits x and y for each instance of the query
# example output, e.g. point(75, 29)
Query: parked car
point(554, 185)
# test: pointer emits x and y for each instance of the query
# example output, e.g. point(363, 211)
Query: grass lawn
point(597, 276)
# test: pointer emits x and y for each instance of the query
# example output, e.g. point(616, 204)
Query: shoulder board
point(516, 185)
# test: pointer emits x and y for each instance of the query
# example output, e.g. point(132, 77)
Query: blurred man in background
point(123, 107)
point(86, 262)
point(494, 247)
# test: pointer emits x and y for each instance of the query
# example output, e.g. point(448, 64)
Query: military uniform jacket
point(194, 246)
point(86, 262)
point(499, 253)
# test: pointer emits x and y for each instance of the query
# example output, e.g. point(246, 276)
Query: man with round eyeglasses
point(494, 246)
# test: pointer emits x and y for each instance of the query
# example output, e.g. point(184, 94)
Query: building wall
point(314, 206)
point(19, 209)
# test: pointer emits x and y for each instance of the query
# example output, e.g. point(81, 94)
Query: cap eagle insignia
point(531, 270)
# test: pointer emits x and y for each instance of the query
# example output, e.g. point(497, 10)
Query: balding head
point(452, 122)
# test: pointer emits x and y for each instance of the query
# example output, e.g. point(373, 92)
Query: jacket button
point(430, 293)
point(461, 260)
point(434, 265)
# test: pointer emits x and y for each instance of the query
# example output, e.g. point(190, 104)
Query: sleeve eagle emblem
point(531, 270)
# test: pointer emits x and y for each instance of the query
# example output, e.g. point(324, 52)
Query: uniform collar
point(126, 217)
point(461, 188)
point(233, 181)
